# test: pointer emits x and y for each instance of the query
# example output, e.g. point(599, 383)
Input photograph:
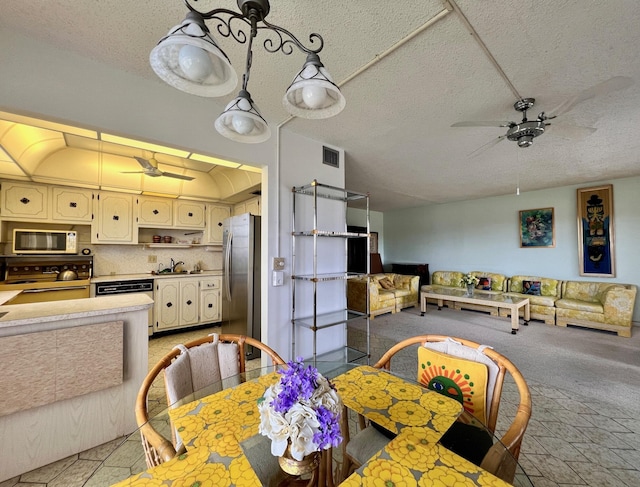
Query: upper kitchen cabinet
point(155, 212)
point(25, 201)
point(113, 222)
point(189, 214)
point(47, 204)
point(216, 214)
point(71, 204)
point(249, 206)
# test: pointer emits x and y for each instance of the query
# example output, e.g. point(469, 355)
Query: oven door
point(51, 294)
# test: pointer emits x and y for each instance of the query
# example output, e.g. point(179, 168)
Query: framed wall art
point(537, 228)
point(595, 231)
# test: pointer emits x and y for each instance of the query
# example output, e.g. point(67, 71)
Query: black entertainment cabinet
point(421, 270)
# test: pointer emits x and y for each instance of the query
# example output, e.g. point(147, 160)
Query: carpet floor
point(585, 387)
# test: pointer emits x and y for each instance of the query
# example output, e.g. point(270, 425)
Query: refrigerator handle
point(227, 266)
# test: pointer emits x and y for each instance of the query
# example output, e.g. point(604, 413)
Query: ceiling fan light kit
point(190, 59)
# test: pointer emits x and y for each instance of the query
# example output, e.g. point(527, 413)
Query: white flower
point(302, 439)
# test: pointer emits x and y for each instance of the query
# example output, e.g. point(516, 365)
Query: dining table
point(221, 445)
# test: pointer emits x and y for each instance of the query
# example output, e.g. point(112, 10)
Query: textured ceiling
point(396, 128)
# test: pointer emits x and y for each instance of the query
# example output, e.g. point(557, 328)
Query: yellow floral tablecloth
point(214, 427)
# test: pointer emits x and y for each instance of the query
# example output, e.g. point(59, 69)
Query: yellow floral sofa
point(447, 279)
point(542, 307)
point(388, 293)
point(601, 305)
point(489, 283)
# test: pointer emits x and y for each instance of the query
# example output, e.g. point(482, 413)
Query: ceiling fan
point(525, 131)
point(150, 167)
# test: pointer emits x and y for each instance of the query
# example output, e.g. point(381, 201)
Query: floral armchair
point(388, 293)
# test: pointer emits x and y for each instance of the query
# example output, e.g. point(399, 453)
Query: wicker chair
point(496, 461)
point(157, 448)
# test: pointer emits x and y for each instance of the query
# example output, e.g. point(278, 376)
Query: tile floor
point(567, 444)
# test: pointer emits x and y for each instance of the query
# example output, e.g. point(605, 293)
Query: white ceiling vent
point(330, 157)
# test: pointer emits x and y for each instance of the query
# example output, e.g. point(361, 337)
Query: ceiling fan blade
point(574, 132)
point(613, 84)
point(177, 176)
point(482, 124)
point(486, 146)
point(144, 163)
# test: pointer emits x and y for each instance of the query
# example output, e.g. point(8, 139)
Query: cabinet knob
point(189, 302)
point(169, 304)
point(190, 214)
point(210, 305)
point(25, 201)
point(116, 217)
point(155, 212)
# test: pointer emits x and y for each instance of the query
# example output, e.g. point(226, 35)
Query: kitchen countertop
point(8, 296)
point(132, 277)
point(53, 311)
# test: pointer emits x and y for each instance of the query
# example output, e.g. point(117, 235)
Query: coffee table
point(513, 304)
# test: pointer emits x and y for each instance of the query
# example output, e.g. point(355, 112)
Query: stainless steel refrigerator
point(241, 277)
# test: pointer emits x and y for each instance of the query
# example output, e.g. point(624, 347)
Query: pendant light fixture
point(190, 59)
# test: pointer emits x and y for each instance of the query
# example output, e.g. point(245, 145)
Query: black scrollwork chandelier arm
point(284, 41)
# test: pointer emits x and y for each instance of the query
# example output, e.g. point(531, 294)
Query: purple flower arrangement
point(302, 409)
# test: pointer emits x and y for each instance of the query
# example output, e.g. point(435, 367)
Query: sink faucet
point(174, 264)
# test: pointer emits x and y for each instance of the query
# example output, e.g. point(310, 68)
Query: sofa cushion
point(447, 278)
point(548, 287)
point(484, 283)
point(461, 379)
point(386, 283)
point(401, 292)
point(575, 304)
point(532, 288)
point(535, 300)
point(401, 281)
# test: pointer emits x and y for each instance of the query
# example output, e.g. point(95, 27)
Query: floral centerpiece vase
point(301, 415)
point(470, 281)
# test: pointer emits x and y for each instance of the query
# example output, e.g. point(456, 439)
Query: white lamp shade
point(241, 121)
point(313, 94)
point(190, 60)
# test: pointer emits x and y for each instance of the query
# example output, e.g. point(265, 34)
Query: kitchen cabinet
point(113, 222)
point(210, 300)
point(177, 303)
point(25, 201)
point(71, 204)
point(251, 205)
point(189, 214)
point(43, 203)
point(155, 212)
point(216, 214)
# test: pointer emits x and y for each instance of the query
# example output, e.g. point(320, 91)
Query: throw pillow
point(531, 287)
point(484, 283)
point(460, 379)
point(386, 283)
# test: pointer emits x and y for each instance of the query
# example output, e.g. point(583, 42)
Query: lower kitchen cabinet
point(186, 301)
point(210, 311)
point(176, 303)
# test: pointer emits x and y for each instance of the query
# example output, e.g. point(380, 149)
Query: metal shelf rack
point(306, 229)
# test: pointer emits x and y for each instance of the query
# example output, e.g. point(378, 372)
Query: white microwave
point(26, 241)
